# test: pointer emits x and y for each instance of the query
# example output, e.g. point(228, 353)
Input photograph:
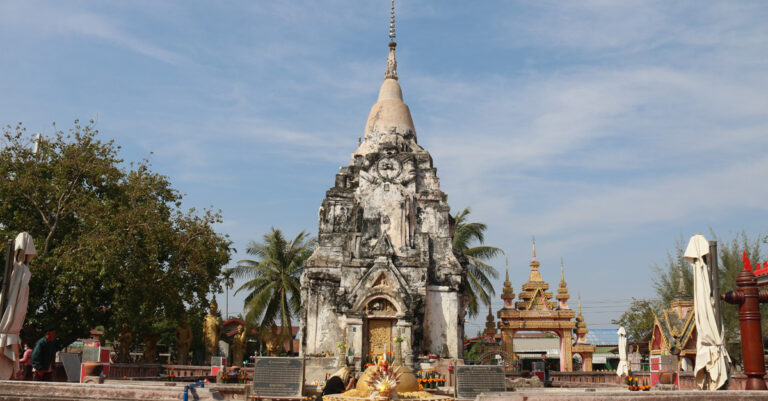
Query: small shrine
point(537, 311)
point(674, 332)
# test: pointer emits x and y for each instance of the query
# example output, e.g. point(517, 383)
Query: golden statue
point(274, 344)
point(125, 338)
point(211, 332)
point(239, 343)
point(183, 341)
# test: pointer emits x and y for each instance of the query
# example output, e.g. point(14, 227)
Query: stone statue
point(125, 338)
point(150, 347)
point(211, 332)
point(239, 343)
point(183, 341)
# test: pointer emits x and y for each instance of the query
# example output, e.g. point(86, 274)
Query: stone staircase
point(55, 391)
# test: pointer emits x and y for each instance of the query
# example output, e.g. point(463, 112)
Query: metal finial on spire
point(534, 247)
point(392, 23)
point(391, 72)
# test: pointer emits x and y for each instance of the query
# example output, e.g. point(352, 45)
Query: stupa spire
point(508, 293)
point(562, 291)
point(391, 61)
point(507, 283)
point(562, 271)
point(579, 304)
point(534, 276)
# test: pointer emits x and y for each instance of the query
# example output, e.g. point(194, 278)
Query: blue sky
point(606, 129)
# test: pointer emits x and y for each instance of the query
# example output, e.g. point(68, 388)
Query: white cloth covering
point(623, 368)
point(712, 358)
point(16, 309)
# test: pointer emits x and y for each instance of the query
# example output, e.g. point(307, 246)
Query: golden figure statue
point(125, 338)
point(183, 341)
point(211, 332)
point(239, 343)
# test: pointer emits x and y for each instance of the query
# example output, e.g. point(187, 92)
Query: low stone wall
point(608, 377)
point(687, 380)
point(618, 395)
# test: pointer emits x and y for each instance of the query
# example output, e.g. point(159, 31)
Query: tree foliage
point(638, 319)
point(273, 289)
point(479, 288)
point(113, 244)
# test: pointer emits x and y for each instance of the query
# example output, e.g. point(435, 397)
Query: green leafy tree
point(113, 244)
point(666, 279)
point(274, 293)
point(638, 319)
point(469, 237)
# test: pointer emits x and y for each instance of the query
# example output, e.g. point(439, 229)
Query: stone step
point(17, 390)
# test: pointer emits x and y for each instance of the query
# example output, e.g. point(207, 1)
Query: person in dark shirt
point(340, 382)
point(43, 356)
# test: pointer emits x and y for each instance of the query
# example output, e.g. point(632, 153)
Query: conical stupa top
point(389, 121)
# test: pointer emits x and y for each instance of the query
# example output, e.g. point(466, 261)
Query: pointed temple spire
point(490, 324)
point(562, 290)
point(535, 275)
point(581, 329)
point(507, 283)
point(508, 293)
point(579, 303)
point(391, 61)
point(562, 271)
point(682, 303)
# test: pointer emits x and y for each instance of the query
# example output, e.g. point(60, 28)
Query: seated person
point(340, 382)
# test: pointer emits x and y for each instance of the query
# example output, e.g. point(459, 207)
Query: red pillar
point(748, 298)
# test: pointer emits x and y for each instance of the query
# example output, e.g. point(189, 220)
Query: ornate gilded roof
point(535, 295)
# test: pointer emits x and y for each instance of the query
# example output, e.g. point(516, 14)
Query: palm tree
point(479, 288)
point(273, 279)
point(229, 281)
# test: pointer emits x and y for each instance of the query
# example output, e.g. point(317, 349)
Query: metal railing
point(200, 384)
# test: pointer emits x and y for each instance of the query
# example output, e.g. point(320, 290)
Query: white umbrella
point(711, 368)
point(16, 306)
point(623, 368)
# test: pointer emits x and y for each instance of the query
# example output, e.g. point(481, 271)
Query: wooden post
point(714, 273)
